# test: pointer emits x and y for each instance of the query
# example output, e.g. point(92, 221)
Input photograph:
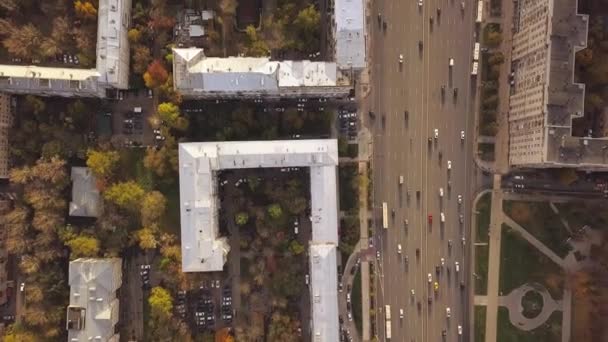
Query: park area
point(482, 225)
point(550, 331)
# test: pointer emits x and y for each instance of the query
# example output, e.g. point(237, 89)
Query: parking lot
point(130, 113)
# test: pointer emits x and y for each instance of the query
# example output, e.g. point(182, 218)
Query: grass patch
point(550, 331)
point(480, 323)
point(481, 269)
point(521, 263)
point(356, 301)
point(486, 151)
point(539, 220)
point(349, 196)
point(483, 208)
point(579, 214)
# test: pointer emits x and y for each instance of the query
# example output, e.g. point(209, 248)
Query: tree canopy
point(102, 163)
point(127, 195)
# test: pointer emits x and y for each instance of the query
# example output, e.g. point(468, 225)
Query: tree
point(228, 7)
point(84, 9)
point(275, 211)
point(497, 58)
point(146, 238)
point(255, 45)
point(493, 38)
point(83, 247)
point(24, 42)
point(141, 58)
point(127, 195)
point(584, 57)
point(282, 327)
point(102, 163)
point(134, 35)
point(156, 74)
point(307, 29)
point(241, 218)
point(160, 301)
point(490, 102)
point(16, 333)
point(296, 248)
point(169, 113)
point(152, 208)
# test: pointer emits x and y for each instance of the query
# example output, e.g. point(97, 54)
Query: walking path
point(513, 301)
point(534, 241)
point(496, 220)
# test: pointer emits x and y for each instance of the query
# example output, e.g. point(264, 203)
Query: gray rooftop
point(85, 195)
point(349, 34)
point(324, 292)
point(93, 311)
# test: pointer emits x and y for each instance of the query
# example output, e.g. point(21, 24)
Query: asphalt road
point(401, 147)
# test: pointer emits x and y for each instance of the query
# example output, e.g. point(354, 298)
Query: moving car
point(457, 266)
point(430, 278)
point(448, 312)
point(436, 286)
point(461, 135)
point(449, 164)
point(459, 329)
point(442, 215)
point(401, 313)
point(436, 133)
point(440, 192)
point(451, 62)
point(400, 59)
point(459, 199)
point(399, 249)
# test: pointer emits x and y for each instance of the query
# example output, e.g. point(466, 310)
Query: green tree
point(307, 29)
point(296, 248)
point(102, 163)
point(255, 45)
point(493, 38)
point(168, 112)
point(275, 211)
point(152, 208)
point(83, 246)
point(241, 218)
point(127, 195)
point(160, 301)
point(497, 58)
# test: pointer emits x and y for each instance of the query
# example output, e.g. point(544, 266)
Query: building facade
point(112, 63)
point(545, 99)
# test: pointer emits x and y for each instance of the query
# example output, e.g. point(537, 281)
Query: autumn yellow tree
point(85, 9)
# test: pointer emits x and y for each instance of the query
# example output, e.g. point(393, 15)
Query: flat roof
point(85, 195)
point(93, 311)
point(324, 293)
point(349, 34)
point(204, 250)
point(194, 72)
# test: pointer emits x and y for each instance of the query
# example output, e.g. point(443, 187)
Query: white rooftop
point(196, 73)
point(204, 250)
point(112, 62)
point(93, 310)
point(85, 195)
point(349, 34)
point(324, 293)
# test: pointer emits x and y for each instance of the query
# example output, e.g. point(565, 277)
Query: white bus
point(479, 11)
point(384, 215)
point(387, 314)
point(476, 52)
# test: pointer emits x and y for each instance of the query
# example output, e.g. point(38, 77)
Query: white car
point(459, 329)
point(461, 135)
point(449, 164)
point(399, 249)
point(307, 279)
point(451, 62)
point(436, 133)
point(459, 199)
point(442, 216)
point(448, 312)
point(457, 266)
point(401, 313)
point(400, 59)
point(442, 262)
point(430, 277)
point(412, 292)
point(440, 192)
point(350, 317)
point(419, 3)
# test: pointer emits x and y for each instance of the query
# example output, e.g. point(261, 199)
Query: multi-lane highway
point(408, 104)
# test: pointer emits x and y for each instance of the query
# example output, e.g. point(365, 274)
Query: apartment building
point(198, 76)
point(544, 98)
point(112, 63)
point(349, 34)
point(93, 312)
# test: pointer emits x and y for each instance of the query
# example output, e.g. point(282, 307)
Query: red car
point(430, 219)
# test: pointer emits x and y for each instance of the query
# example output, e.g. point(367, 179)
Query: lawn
point(550, 331)
point(483, 218)
point(579, 214)
point(349, 196)
point(539, 220)
point(356, 301)
point(481, 269)
point(480, 323)
point(521, 263)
